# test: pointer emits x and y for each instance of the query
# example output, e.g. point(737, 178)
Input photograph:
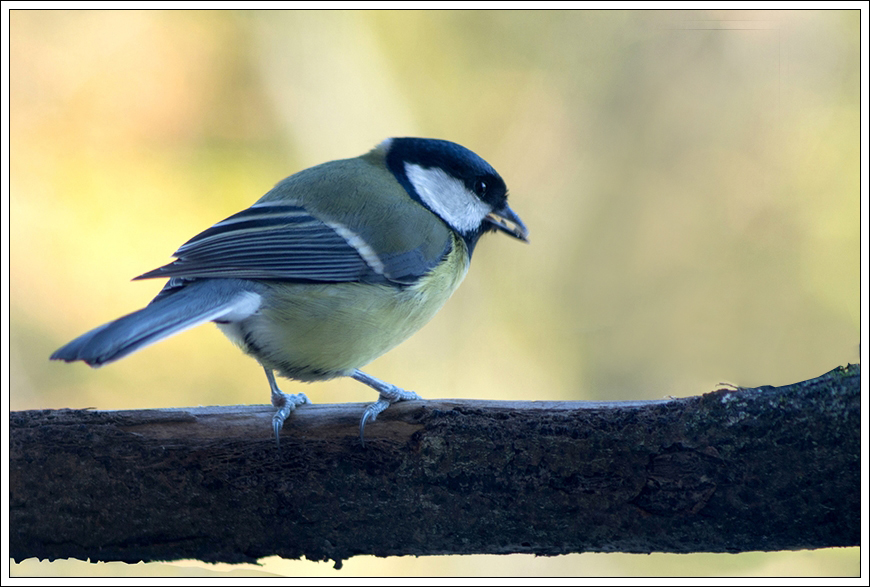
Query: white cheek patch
point(448, 197)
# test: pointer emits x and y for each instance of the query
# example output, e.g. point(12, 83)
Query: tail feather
point(170, 314)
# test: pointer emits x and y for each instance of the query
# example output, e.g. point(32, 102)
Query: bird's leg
point(389, 394)
point(285, 403)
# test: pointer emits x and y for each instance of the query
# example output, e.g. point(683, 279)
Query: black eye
point(480, 188)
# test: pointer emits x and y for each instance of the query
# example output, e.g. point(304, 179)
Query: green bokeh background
point(690, 179)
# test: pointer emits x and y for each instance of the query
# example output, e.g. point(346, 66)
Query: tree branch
point(729, 471)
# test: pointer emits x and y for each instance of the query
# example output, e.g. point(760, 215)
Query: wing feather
point(285, 242)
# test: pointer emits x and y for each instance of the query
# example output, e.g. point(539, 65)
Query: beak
point(506, 220)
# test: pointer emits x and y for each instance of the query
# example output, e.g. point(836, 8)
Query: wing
point(272, 240)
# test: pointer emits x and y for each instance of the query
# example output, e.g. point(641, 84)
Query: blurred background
point(690, 180)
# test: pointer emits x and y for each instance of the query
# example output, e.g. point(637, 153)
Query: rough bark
point(729, 471)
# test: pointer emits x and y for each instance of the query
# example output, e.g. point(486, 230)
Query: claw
point(277, 424)
point(371, 413)
point(362, 428)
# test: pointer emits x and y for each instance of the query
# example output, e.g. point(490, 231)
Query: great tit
point(333, 267)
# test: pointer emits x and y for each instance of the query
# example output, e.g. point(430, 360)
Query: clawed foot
point(389, 394)
point(285, 403)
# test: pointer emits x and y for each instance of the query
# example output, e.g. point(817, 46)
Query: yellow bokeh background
point(690, 180)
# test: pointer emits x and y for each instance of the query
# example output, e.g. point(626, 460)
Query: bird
point(330, 269)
